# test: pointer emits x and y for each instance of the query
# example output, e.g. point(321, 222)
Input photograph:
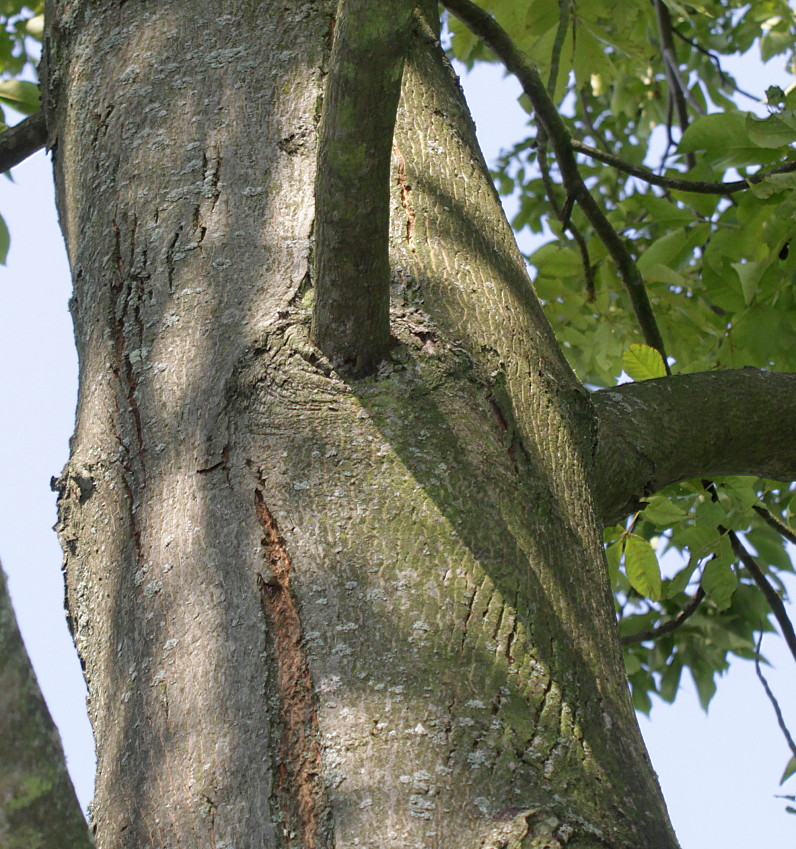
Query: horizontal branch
point(693, 186)
point(666, 627)
point(658, 432)
point(21, 141)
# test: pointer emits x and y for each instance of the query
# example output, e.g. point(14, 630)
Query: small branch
point(564, 8)
point(678, 90)
point(21, 141)
point(772, 698)
point(715, 59)
point(770, 594)
point(695, 186)
point(563, 214)
point(496, 38)
point(666, 627)
point(351, 320)
point(589, 120)
point(772, 521)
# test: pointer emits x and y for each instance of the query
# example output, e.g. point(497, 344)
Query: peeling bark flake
point(301, 794)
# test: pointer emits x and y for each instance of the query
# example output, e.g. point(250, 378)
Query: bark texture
point(38, 806)
point(317, 613)
point(658, 432)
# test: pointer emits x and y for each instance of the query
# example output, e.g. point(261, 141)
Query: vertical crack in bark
point(301, 794)
point(405, 198)
point(123, 304)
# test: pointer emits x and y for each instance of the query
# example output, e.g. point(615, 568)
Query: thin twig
point(771, 595)
point(669, 55)
point(22, 141)
point(496, 38)
point(666, 627)
point(555, 54)
point(563, 214)
point(772, 698)
point(725, 78)
point(772, 521)
point(694, 186)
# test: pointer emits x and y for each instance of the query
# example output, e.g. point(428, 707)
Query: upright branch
point(496, 38)
point(352, 274)
point(678, 88)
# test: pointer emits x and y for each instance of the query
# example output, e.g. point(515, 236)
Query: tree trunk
point(38, 806)
point(317, 612)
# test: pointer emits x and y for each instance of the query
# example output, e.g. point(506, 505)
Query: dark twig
point(496, 38)
point(564, 8)
point(770, 594)
point(772, 521)
point(563, 214)
point(763, 584)
point(695, 186)
point(589, 121)
point(666, 627)
point(772, 698)
point(682, 94)
point(22, 140)
point(678, 90)
point(725, 78)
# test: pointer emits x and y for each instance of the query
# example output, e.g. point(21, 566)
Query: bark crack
point(301, 795)
point(406, 202)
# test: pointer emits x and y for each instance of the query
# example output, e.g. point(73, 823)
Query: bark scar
point(300, 791)
point(405, 199)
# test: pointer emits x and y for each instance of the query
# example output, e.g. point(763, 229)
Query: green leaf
point(720, 582)
point(680, 581)
point(662, 511)
point(705, 683)
point(641, 362)
point(641, 565)
point(5, 241)
point(20, 95)
point(749, 274)
point(554, 260)
point(769, 132)
point(663, 251)
point(719, 131)
point(670, 680)
point(790, 769)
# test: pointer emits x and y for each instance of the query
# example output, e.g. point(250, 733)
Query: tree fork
point(351, 318)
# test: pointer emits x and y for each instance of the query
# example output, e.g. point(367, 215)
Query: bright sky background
point(719, 773)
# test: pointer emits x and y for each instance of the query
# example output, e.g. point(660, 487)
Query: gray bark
point(38, 806)
point(658, 432)
point(313, 612)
